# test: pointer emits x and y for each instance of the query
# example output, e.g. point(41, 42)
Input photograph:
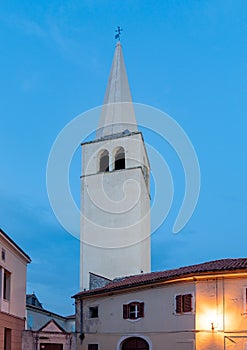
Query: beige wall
point(160, 324)
point(16, 325)
point(157, 341)
point(16, 264)
point(12, 311)
point(221, 301)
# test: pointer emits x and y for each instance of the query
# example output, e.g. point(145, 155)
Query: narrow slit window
point(6, 285)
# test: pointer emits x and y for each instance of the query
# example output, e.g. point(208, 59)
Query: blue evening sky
point(185, 57)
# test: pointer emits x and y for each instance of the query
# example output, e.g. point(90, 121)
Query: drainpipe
point(36, 339)
point(82, 335)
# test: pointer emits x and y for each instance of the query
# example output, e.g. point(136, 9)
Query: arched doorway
point(134, 343)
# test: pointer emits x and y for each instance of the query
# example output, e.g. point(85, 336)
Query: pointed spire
point(117, 113)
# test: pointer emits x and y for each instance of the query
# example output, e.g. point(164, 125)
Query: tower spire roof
point(117, 113)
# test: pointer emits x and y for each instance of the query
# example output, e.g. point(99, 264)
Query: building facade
point(115, 197)
point(199, 307)
point(46, 330)
point(13, 266)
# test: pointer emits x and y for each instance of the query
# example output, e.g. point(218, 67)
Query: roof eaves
point(15, 245)
point(175, 275)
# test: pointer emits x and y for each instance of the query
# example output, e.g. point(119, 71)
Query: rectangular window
point(133, 310)
point(183, 303)
point(93, 311)
point(7, 339)
point(6, 285)
point(93, 347)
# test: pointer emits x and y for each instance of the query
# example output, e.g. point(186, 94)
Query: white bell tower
point(115, 197)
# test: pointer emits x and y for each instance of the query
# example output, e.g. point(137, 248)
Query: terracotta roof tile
point(153, 277)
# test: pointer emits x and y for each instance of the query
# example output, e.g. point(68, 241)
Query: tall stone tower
point(115, 198)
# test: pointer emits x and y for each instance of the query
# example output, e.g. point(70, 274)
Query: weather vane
point(118, 31)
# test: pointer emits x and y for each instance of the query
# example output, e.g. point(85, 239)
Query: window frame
point(93, 346)
point(91, 310)
point(183, 296)
point(245, 301)
point(136, 314)
point(7, 338)
point(6, 285)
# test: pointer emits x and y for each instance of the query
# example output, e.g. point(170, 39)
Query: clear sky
point(187, 58)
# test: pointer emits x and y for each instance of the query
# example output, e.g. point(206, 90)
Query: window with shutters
point(183, 303)
point(133, 310)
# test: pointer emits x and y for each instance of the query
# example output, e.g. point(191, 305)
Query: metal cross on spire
point(118, 31)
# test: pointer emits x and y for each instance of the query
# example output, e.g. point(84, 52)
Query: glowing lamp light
point(208, 320)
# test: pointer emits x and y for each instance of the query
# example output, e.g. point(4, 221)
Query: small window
point(6, 285)
point(133, 310)
point(93, 347)
point(104, 162)
point(3, 254)
point(183, 303)
point(120, 159)
point(93, 312)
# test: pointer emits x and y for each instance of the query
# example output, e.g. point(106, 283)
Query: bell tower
point(115, 196)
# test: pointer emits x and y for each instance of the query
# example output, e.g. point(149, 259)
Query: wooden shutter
point(141, 310)
point(187, 303)
point(178, 304)
point(125, 311)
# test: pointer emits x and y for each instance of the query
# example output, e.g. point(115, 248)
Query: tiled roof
point(221, 266)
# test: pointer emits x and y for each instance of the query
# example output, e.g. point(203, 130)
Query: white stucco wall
point(115, 206)
point(160, 324)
